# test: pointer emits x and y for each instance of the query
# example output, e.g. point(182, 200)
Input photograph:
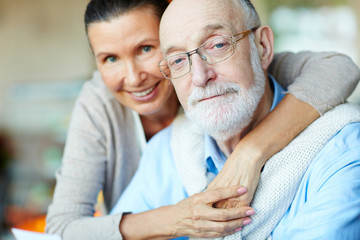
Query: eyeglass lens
point(212, 51)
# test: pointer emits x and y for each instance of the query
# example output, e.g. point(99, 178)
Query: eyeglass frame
point(192, 52)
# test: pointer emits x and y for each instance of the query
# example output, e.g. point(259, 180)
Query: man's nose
point(201, 72)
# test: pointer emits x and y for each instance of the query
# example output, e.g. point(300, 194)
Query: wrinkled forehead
point(187, 23)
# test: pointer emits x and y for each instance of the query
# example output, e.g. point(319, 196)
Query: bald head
point(181, 16)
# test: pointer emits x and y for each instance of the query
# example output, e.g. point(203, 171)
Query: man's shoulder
point(335, 131)
point(342, 151)
point(329, 188)
point(347, 138)
point(161, 138)
point(157, 167)
point(344, 148)
point(158, 150)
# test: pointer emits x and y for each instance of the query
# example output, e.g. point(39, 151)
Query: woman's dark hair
point(105, 10)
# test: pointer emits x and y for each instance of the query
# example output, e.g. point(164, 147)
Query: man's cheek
point(182, 94)
point(184, 101)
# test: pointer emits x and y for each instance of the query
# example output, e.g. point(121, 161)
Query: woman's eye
point(146, 49)
point(111, 59)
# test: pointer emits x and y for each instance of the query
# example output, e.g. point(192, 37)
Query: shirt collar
point(279, 92)
point(214, 157)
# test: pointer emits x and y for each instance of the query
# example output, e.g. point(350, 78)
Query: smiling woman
point(129, 69)
point(128, 101)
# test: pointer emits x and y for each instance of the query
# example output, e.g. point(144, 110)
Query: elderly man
point(217, 55)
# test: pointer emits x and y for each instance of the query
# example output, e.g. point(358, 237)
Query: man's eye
point(219, 45)
point(111, 59)
point(177, 62)
point(146, 49)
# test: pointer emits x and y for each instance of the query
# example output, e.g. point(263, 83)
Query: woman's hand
point(240, 168)
point(196, 217)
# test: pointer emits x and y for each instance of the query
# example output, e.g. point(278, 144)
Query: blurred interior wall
point(338, 41)
point(265, 8)
point(355, 5)
point(42, 40)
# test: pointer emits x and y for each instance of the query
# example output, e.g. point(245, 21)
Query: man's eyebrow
point(212, 27)
point(169, 49)
point(204, 32)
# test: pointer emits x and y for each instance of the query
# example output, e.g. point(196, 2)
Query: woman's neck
point(153, 123)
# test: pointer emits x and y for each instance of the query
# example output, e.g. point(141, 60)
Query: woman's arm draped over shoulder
point(316, 83)
point(322, 80)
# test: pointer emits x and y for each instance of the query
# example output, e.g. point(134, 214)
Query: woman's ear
point(264, 40)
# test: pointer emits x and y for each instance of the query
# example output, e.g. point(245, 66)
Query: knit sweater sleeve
point(87, 168)
point(322, 80)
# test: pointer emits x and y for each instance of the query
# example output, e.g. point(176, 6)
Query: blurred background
point(45, 58)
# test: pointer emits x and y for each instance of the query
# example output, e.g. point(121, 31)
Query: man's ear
point(264, 39)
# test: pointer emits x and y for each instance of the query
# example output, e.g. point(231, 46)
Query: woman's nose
point(134, 74)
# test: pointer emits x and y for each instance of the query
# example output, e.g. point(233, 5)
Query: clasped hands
point(224, 208)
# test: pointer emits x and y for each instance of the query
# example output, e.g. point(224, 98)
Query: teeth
point(143, 93)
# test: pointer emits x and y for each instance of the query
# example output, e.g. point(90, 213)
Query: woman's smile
point(145, 95)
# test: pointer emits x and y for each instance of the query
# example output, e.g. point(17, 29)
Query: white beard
point(226, 116)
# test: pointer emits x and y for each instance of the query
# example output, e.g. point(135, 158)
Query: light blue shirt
point(326, 205)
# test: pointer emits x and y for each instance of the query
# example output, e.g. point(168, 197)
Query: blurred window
point(318, 29)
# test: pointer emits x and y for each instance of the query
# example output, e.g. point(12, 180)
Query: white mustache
point(210, 90)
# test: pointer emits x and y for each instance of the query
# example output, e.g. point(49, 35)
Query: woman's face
point(127, 52)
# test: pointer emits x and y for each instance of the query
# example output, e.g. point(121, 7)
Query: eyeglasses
point(213, 51)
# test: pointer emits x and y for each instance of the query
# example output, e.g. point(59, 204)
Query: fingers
point(198, 218)
point(216, 195)
point(210, 229)
point(221, 215)
point(233, 202)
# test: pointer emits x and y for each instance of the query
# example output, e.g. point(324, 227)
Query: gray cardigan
point(102, 150)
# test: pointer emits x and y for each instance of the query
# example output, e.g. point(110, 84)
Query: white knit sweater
point(281, 175)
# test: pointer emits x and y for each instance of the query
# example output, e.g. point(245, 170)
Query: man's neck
point(263, 108)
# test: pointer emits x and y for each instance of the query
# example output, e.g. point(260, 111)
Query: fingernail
point(242, 190)
point(250, 212)
point(247, 221)
point(238, 229)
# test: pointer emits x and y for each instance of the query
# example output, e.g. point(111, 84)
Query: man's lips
point(208, 98)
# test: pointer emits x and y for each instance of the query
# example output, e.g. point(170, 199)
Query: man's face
point(218, 96)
